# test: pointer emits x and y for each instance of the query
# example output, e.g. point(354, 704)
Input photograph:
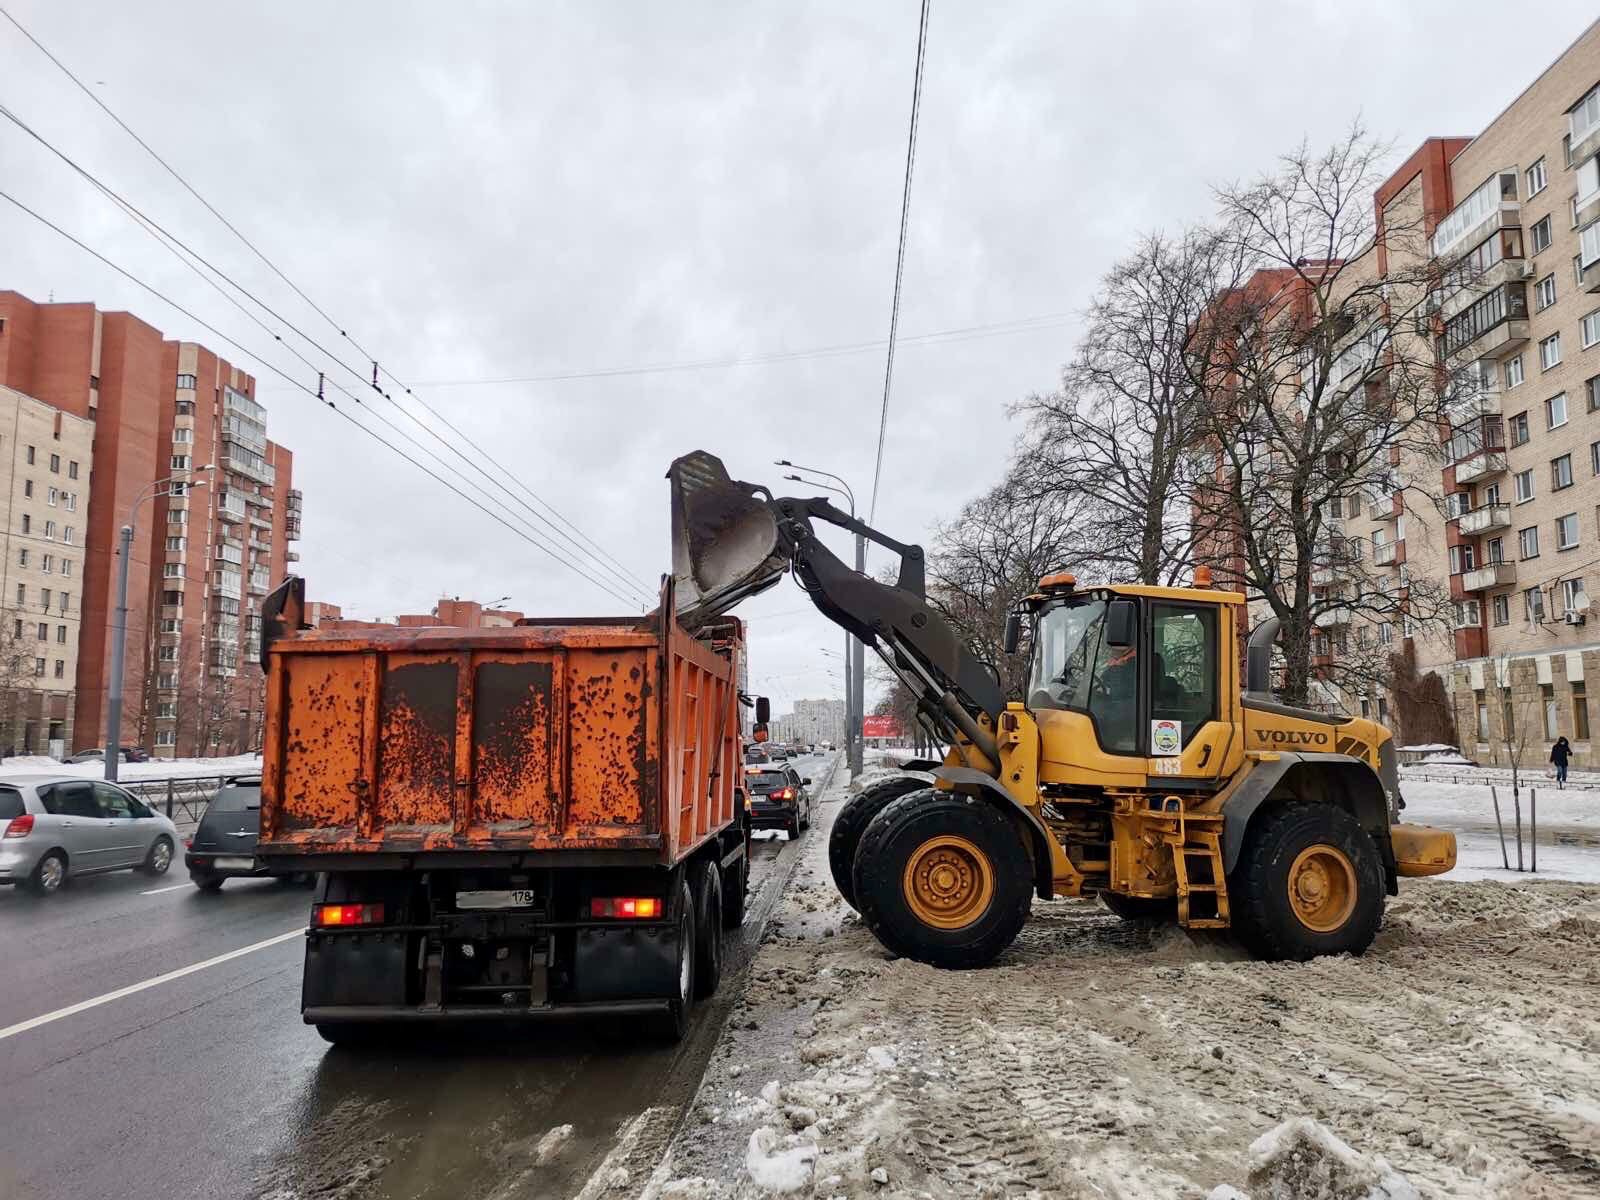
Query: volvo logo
point(1292, 737)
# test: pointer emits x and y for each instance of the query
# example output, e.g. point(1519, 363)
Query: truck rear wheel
point(1309, 882)
point(852, 822)
point(675, 1021)
point(736, 889)
point(708, 929)
point(943, 879)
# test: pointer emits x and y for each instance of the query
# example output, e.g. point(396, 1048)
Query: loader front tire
point(1309, 882)
point(943, 878)
point(852, 822)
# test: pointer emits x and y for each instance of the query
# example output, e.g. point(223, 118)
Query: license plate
point(513, 898)
point(234, 864)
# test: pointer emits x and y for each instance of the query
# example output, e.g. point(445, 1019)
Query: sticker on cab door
point(1166, 738)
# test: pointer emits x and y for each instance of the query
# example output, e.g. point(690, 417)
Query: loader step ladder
point(1197, 861)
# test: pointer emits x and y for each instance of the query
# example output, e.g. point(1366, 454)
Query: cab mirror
point(806, 781)
point(1013, 633)
point(759, 733)
point(1121, 623)
point(763, 710)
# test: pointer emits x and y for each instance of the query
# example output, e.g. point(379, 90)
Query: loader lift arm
point(733, 539)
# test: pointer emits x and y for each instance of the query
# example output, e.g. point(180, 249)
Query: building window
point(61, 634)
point(1483, 719)
point(66, 567)
point(70, 501)
point(1501, 605)
point(1589, 329)
point(44, 599)
point(1567, 531)
point(1550, 352)
point(1533, 605)
point(166, 737)
point(44, 631)
point(186, 383)
point(55, 464)
point(72, 468)
point(1573, 597)
point(30, 456)
point(180, 462)
point(1522, 485)
point(167, 654)
point(1528, 542)
point(1541, 235)
point(1555, 411)
point(38, 667)
point(183, 434)
point(50, 530)
point(1519, 429)
point(27, 489)
point(174, 597)
point(1561, 472)
point(1536, 179)
point(186, 408)
point(166, 710)
point(172, 570)
point(27, 523)
point(66, 602)
point(68, 534)
point(1514, 371)
point(22, 555)
point(46, 563)
point(1460, 559)
point(1386, 634)
point(51, 496)
point(175, 543)
point(61, 668)
point(1544, 293)
point(1547, 697)
point(22, 594)
point(1580, 711)
point(166, 680)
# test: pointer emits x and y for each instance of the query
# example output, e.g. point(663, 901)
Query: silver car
point(56, 827)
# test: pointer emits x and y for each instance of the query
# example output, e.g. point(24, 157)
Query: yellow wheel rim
point(948, 882)
point(1322, 887)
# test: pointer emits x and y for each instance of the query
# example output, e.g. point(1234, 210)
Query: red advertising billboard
point(880, 727)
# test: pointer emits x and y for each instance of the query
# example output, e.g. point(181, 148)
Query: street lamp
point(119, 619)
point(855, 662)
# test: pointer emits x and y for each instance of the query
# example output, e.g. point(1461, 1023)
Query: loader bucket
point(724, 538)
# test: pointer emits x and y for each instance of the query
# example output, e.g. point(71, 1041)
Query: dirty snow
point(1101, 1059)
point(160, 768)
point(1568, 828)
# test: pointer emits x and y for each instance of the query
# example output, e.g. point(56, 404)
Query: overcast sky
point(479, 191)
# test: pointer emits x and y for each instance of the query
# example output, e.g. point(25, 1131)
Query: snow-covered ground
point(159, 768)
point(1568, 826)
point(1098, 1058)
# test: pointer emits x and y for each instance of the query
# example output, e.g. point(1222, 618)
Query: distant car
point(54, 828)
point(98, 754)
point(224, 843)
point(779, 799)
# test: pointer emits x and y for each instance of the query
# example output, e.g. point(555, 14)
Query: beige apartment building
point(45, 460)
point(1509, 514)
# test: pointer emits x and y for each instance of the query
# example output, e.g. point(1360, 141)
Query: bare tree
point(1117, 440)
point(19, 678)
point(1317, 384)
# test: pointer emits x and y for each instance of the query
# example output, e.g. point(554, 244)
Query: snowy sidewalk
point(1103, 1059)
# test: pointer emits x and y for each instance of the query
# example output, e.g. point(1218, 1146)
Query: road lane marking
point(172, 888)
point(153, 981)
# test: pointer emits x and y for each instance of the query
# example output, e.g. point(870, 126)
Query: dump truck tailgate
point(524, 738)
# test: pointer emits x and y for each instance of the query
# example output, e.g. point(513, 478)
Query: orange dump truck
point(539, 820)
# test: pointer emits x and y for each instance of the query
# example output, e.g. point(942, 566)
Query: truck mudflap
point(1422, 850)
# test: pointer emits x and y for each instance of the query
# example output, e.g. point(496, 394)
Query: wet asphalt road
point(209, 1085)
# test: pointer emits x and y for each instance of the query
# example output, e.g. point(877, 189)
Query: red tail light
point(638, 908)
point(347, 914)
point(784, 794)
point(20, 826)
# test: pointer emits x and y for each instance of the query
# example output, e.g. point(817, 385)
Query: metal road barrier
point(182, 800)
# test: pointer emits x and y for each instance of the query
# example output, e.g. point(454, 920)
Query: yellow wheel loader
point(1135, 767)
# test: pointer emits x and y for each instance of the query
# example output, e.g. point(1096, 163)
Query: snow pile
point(777, 1163)
point(1303, 1160)
point(131, 772)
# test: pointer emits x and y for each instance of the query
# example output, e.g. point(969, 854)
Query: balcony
point(1324, 576)
point(1484, 520)
point(1495, 575)
point(1492, 205)
point(1498, 342)
point(1588, 200)
point(1485, 464)
point(241, 462)
point(292, 556)
point(1589, 257)
point(1457, 296)
point(1583, 126)
point(230, 507)
point(1330, 617)
point(1389, 554)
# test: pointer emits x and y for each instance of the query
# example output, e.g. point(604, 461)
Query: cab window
point(1076, 667)
point(1183, 667)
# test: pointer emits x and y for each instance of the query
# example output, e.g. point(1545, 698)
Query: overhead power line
point(190, 257)
point(295, 383)
point(900, 256)
point(960, 334)
point(604, 555)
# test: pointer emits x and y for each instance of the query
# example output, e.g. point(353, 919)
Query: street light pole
point(855, 651)
point(119, 624)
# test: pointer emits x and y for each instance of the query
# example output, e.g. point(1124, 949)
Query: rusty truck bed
point(579, 736)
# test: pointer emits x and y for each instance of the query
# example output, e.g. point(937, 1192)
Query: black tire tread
point(708, 929)
point(852, 821)
point(1262, 919)
point(878, 880)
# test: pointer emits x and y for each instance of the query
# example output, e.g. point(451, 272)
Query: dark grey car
point(224, 844)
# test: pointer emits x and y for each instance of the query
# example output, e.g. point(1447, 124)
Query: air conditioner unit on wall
point(1573, 618)
point(1529, 269)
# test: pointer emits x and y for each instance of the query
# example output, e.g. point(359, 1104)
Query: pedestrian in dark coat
point(1559, 754)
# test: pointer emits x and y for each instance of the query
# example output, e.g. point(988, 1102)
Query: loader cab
point(1133, 686)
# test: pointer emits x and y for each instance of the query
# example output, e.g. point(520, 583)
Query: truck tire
point(674, 1023)
point(944, 879)
point(1309, 882)
point(853, 820)
point(1141, 909)
point(736, 889)
point(708, 928)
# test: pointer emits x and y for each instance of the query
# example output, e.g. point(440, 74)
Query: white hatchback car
point(56, 827)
